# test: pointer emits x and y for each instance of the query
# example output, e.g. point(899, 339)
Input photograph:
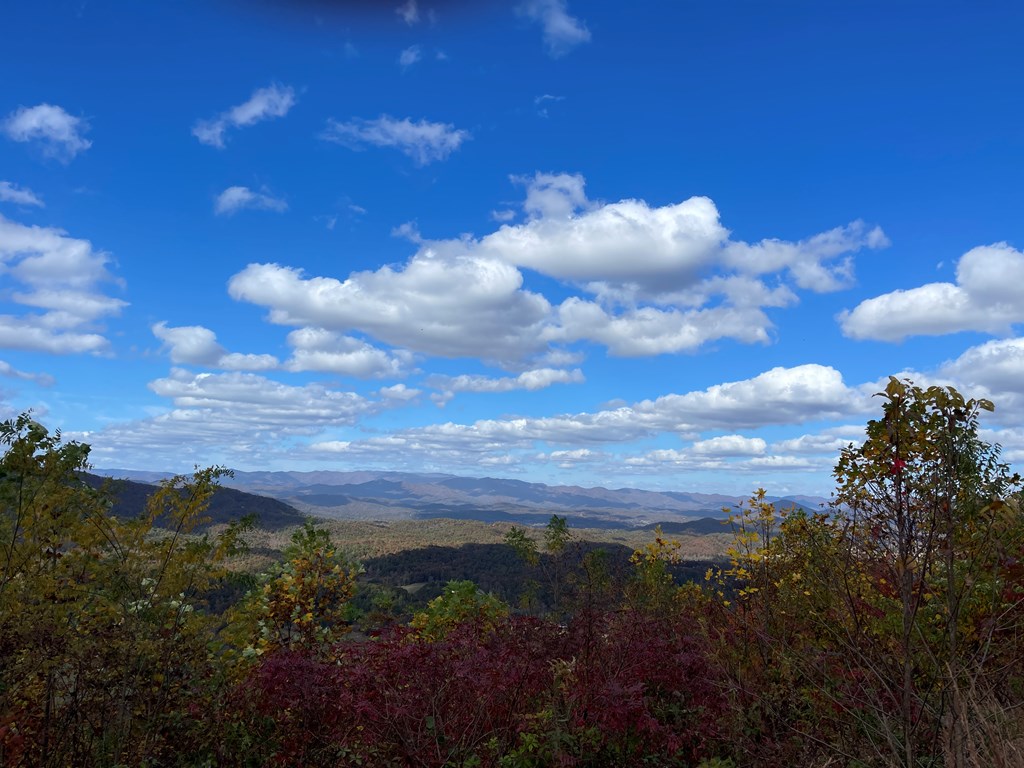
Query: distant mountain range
point(400, 495)
point(129, 500)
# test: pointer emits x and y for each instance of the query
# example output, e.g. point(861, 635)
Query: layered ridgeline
point(128, 500)
point(400, 495)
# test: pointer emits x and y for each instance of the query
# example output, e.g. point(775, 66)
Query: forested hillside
point(128, 499)
point(886, 631)
point(397, 496)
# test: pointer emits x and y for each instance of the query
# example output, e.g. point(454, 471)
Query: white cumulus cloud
point(813, 263)
point(317, 349)
point(985, 297)
point(631, 250)
point(553, 195)
point(61, 276)
point(649, 331)
point(997, 365)
point(415, 307)
point(59, 133)
point(197, 345)
point(619, 242)
point(664, 279)
point(992, 370)
point(828, 442)
point(398, 392)
point(730, 445)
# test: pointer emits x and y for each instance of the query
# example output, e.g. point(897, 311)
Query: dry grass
point(987, 735)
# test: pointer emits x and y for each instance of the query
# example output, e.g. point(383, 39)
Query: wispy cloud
point(59, 133)
point(235, 416)
point(408, 230)
point(532, 380)
point(423, 141)
point(562, 32)
point(238, 415)
point(234, 199)
point(8, 370)
point(409, 12)
point(410, 56)
point(264, 104)
point(802, 394)
point(12, 193)
point(542, 102)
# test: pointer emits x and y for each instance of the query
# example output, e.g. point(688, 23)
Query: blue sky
point(669, 246)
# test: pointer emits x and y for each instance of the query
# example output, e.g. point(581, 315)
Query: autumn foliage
point(884, 631)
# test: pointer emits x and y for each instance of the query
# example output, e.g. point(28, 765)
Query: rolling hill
point(402, 496)
point(227, 504)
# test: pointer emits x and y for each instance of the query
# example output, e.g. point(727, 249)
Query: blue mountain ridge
point(398, 495)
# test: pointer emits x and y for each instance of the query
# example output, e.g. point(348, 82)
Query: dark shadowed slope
point(227, 504)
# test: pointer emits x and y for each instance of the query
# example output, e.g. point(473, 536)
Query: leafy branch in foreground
point(888, 630)
point(103, 643)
